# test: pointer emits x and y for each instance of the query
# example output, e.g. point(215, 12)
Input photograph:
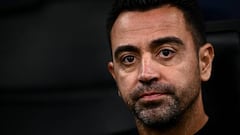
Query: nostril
point(148, 81)
point(148, 71)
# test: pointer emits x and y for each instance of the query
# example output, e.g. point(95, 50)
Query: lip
point(151, 96)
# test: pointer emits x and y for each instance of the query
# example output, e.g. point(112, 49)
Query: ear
point(111, 69)
point(206, 56)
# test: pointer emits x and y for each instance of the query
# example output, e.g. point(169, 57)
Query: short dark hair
point(190, 8)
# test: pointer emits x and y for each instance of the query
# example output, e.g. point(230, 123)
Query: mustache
point(161, 88)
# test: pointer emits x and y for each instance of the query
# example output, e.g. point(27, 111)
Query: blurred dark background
point(53, 71)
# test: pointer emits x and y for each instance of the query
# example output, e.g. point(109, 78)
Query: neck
point(190, 122)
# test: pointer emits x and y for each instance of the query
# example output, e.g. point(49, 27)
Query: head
point(159, 57)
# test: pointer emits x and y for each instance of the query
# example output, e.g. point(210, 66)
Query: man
point(160, 57)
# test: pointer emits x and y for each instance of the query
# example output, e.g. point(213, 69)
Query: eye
point(127, 60)
point(166, 53)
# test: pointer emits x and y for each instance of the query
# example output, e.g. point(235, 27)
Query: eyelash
point(170, 52)
point(125, 58)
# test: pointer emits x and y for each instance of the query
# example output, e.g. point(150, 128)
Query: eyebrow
point(165, 40)
point(154, 44)
point(125, 48)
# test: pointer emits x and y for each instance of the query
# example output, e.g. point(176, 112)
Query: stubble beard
point(161, 114)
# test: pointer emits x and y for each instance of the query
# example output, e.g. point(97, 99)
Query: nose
point(148, 72)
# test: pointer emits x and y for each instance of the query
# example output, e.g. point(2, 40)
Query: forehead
point(143, 24)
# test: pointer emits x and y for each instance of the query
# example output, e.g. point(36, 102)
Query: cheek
point(126, 82)
point(187, 79)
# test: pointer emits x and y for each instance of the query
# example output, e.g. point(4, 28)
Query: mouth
point(151, 96)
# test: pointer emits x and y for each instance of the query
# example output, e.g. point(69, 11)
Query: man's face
point(155, 64)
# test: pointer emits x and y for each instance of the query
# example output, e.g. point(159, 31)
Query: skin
point(159, 72)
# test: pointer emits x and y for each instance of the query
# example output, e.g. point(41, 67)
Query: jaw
point(191, 121)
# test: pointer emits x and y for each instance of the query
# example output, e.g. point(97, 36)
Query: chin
point(161, 116)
